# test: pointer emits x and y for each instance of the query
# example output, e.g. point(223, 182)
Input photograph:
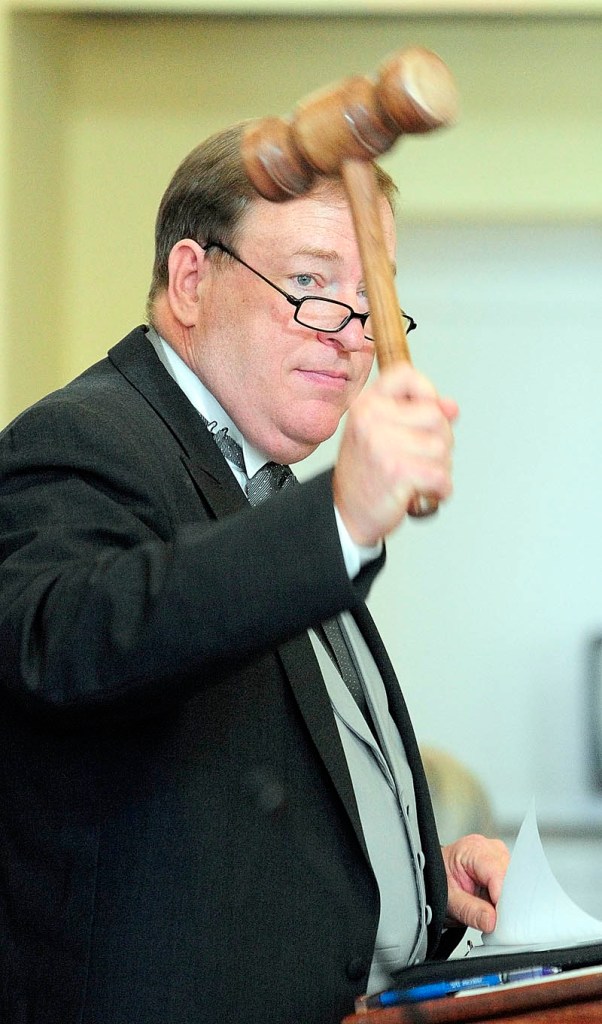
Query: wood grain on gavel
point(339, 131)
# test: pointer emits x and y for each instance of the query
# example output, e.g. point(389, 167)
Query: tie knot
point(266, 481)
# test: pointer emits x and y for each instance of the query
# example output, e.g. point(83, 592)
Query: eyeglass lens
point(326, 315)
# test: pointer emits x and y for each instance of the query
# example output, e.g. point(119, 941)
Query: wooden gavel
point(338, 131)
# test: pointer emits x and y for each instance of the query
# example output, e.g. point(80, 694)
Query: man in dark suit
point(198, 819)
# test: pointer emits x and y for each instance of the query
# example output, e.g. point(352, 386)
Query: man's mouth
point(329, 378)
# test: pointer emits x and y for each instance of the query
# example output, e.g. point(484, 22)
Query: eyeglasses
point(315, 313)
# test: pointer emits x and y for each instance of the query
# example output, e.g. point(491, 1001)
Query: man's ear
point(186, 266)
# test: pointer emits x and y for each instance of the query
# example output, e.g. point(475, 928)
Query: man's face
point(285, 386)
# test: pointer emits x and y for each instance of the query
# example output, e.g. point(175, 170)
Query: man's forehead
point(264, 212)
point(312, 224)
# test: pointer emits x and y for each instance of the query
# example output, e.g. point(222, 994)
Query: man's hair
point(208, 196)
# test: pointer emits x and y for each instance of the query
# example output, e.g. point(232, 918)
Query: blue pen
point(438, 989)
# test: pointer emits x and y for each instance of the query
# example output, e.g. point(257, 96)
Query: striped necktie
point(266, 481)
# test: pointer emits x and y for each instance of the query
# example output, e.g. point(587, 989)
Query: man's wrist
point(356, 556)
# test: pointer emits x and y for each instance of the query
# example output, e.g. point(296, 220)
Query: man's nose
point(351, 337)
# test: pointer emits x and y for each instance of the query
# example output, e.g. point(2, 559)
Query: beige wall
point(3, 209)
point(98, 111)
point(34, 223)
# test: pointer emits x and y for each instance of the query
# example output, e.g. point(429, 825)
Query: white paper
point(534, 912)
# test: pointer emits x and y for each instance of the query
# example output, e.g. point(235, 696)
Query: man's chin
point(311, 439)
point(299, 435)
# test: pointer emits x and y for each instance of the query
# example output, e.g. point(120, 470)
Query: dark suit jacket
point(179, 839)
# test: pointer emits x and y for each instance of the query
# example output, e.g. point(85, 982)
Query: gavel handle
point(389, 332)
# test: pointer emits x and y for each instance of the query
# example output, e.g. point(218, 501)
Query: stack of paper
point(534, 912)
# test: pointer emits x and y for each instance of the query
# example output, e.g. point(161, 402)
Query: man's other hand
point(475, 869)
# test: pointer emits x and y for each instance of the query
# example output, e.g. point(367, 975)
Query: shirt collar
point(204, 401)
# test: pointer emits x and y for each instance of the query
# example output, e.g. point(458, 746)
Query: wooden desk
point(563, 1000)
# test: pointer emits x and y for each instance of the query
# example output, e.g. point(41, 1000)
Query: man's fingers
point(402, 380)
point(471, 910)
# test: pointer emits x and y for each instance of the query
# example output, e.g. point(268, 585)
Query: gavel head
point(357, 119)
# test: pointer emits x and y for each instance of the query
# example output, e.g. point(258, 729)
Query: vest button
point(356, 968)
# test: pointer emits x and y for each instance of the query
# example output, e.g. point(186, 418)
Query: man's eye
point(304, 280)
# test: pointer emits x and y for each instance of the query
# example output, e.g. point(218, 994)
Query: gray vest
point(384, 792)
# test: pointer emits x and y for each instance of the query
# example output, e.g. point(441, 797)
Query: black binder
point(567, 958)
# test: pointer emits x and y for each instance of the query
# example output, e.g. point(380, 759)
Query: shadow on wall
point(460, 802)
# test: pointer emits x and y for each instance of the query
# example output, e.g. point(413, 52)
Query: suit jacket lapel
point(217, 488)
point(306, 681)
